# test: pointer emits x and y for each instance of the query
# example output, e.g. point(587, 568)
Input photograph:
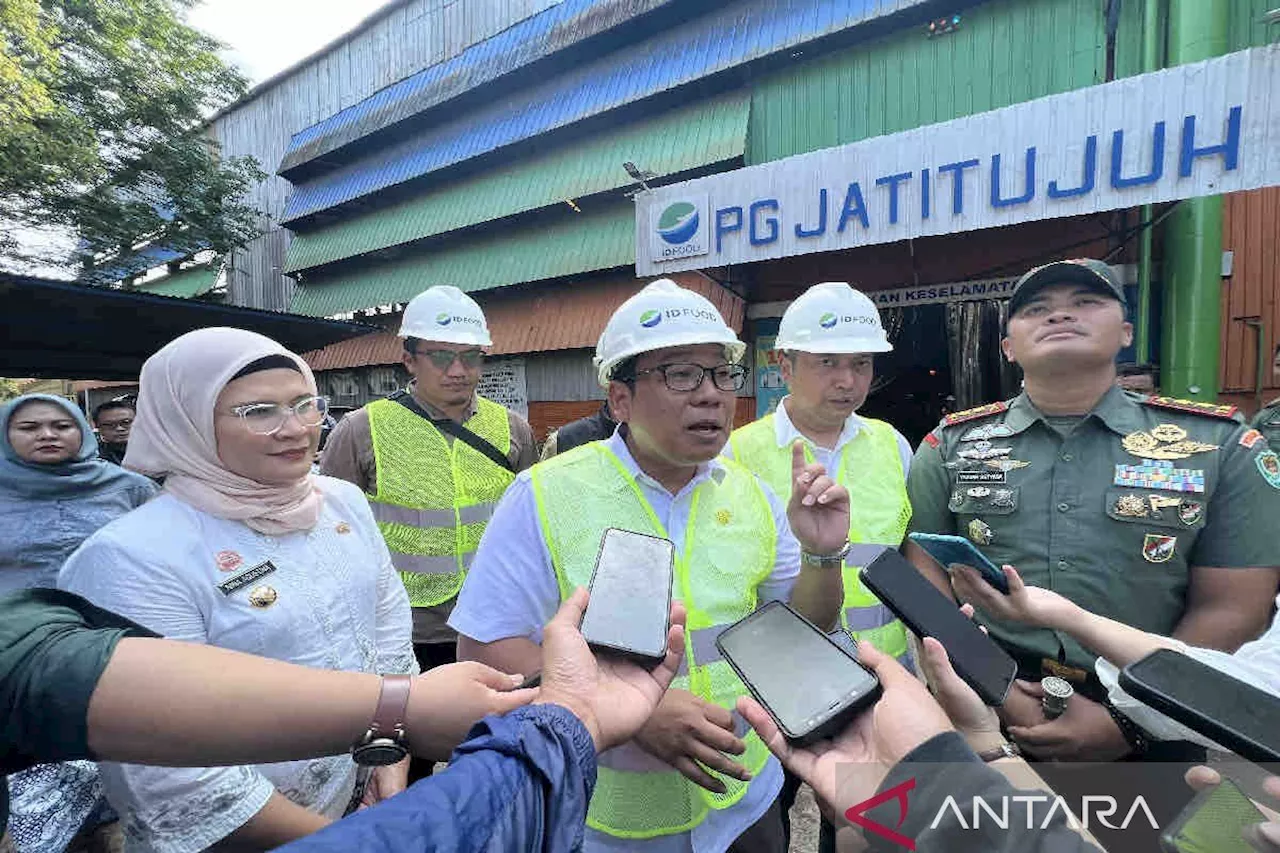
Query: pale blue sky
point(267, 36)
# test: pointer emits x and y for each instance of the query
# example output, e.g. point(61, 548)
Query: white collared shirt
point(511, 591)
point(787, 433)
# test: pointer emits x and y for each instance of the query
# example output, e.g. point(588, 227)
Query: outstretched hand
point(613, 698)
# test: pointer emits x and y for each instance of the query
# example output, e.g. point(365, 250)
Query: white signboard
point(503, 382)
point(1201, 129)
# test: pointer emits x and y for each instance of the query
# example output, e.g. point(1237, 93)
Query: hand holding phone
point(810, 685)
point(984, 666)
point(948, 550)
point(630, 605)
point(1214, 822)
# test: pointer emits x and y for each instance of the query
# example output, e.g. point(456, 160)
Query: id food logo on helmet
point(679, 229)
point(649, 319)
point(444, 318)
point(828, 320)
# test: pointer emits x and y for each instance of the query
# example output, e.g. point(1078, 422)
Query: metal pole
point(1150, 62)
point(1192, 268)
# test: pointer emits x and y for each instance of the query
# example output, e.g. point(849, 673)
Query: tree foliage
point(102, 110)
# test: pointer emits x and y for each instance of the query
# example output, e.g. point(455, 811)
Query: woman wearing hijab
point(247, 550)
point(54, 492)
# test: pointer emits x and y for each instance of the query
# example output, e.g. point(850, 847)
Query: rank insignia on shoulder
point(1212, 410)
point(1251, 438)
point(975, 413)
point(931, 439)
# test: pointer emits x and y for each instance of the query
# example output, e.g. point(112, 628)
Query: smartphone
point(1230, 712)
point(1213, 822)
point(630, 608)
point(809, 685)
point(977, 658)
point(956, 549)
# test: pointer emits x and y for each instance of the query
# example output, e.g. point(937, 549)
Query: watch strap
point(1004, 750)
point(393, 703)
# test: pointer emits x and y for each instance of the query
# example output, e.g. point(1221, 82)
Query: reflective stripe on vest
point(729, 550)
point(871, 469)
point(434, 496)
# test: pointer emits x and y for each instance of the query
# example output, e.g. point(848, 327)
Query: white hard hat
point(832, 318)
point(446, 314)
point(663, 314)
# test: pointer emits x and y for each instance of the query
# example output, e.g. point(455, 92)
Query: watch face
point(379, 752)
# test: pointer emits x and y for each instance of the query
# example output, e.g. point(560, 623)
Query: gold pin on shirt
point(1169, 432)
point(1131, 506)
point(263, 596)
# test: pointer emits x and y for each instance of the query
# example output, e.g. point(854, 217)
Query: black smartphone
point(809, 685)
point(630, 608)
point(1213, 822)
point(1226, 710)
point(977, 658)
point(956, 549)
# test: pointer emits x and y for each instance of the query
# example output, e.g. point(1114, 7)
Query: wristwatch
point(384, 742)
point(826, 561)
point(1004, 750)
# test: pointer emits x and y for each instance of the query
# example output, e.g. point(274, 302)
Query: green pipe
point(1150, 62)
point(1189, 363)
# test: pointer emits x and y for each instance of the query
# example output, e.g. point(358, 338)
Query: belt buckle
point(1049, 666)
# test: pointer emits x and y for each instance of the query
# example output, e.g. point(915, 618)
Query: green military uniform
point(1267, 422)
point(1110, 510)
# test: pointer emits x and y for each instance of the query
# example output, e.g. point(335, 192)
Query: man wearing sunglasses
point(694, 778)
point(434, 459)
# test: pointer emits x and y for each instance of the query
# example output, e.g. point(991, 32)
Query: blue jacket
point(521, 782)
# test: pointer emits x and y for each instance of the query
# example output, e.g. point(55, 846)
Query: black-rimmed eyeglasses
point(688, 377)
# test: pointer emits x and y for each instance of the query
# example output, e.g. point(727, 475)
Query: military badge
point(1158, 548)
point(1158, 502)
point(1002, 498)
point(1269, 466)
point(228, 561)
point(1189, 512)
point(1138, 443)
point(979, 492)
point(1131, 506)
point(1168, 432)
point(980, 532)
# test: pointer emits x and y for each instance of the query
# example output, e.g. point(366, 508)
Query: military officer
point(1156, 512)
point(1267, 421)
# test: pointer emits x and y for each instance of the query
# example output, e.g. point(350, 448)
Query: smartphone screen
point(800, 676)
point(955, 549)
point(1235, 714)
point(977, 658)
point(630, 604)
point(1213, 822)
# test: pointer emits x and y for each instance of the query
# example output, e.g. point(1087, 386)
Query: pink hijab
point(173, 433)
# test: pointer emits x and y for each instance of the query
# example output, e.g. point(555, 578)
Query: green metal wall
point(1005, 52)
point(1245, 29)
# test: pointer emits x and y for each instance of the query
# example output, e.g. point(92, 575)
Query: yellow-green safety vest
point(871, 469)
point(434, 497)
point(729, 550)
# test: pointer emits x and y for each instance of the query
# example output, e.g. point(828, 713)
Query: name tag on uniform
point(980, 477)
point(248, 576)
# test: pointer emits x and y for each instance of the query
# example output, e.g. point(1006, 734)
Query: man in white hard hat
point(828, 338)
point(434, 459)
point(669, 363)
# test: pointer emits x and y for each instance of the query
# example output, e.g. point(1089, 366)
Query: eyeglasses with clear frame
point(269, 418)
point(683, 376)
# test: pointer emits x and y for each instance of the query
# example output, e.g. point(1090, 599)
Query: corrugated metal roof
point(185, 284)
point(537, 321)
point(147, 258)
point(559, 246)
point(532, 39)
point(724, 39)
point(687, 138)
